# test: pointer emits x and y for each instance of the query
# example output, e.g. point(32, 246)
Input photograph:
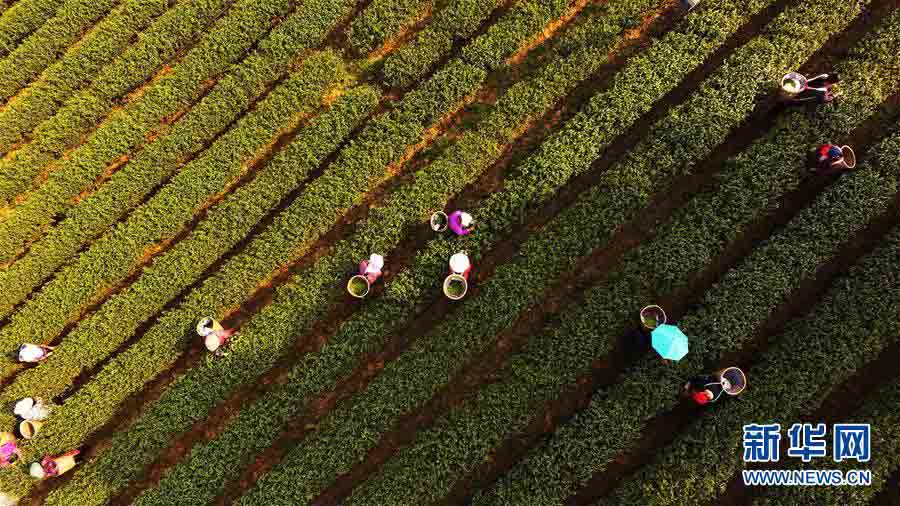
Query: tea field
point(167, 160)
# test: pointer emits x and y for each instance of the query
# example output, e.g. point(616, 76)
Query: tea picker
point(371, 268)
point(832, 159)
point(49, 466)
point(709, 388)
point(33, 353)
point(369, 272)
point(798, 89)
point(33, 412)
point(215, 337)
point(461, 223)
point(9, 450)
point(456, 284)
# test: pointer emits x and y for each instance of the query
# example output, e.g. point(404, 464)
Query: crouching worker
point(799, 89)
point(33, 353)
point(49, 466)
point(833, 159)
point(9, 450)
point(215, 337)
point(461, 223)
point(371, 268)
point(704, 389)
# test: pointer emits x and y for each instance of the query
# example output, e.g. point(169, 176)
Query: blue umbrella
point(670, 342)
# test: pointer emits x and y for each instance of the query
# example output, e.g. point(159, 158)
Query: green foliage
point(823, 349)
point(416, 375)
point(381, 20)
point(161, 159)
point(458, 166)
point(76, 69)
point(457, 21)
point(224, 226)
point(123, 130)
point(520, 25)
point(22, 18)
point(616, 416)
point(459, 443)
point(881, 412)
point(49, 42)
point(360, 167)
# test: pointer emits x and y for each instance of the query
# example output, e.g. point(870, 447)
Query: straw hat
point(376, 261)
point(36, 470)
point(459, 263)
point(205, 327)
point(23, 407)
point(212, 342)
point(465, 219)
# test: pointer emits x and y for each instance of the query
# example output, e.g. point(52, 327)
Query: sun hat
point(459, 263)
point(376, 261)
point(212, 342)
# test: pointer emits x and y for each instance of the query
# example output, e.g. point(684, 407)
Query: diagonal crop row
point(109, 260)
point(76, 69)
point(365, 163)
point(128, 128)
point(411, 379)
point(158, 427)
point(21, 19)
point(312, 144)
point(472, 153)
point(458, 20)
point(224, 225)
point(548, 363)
point(48, 43)
point(173, 32)
point(844, 335)
point(880, 411)
point(595, 437)
point(381, 20)
point(413, 291)
point(162, 158)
